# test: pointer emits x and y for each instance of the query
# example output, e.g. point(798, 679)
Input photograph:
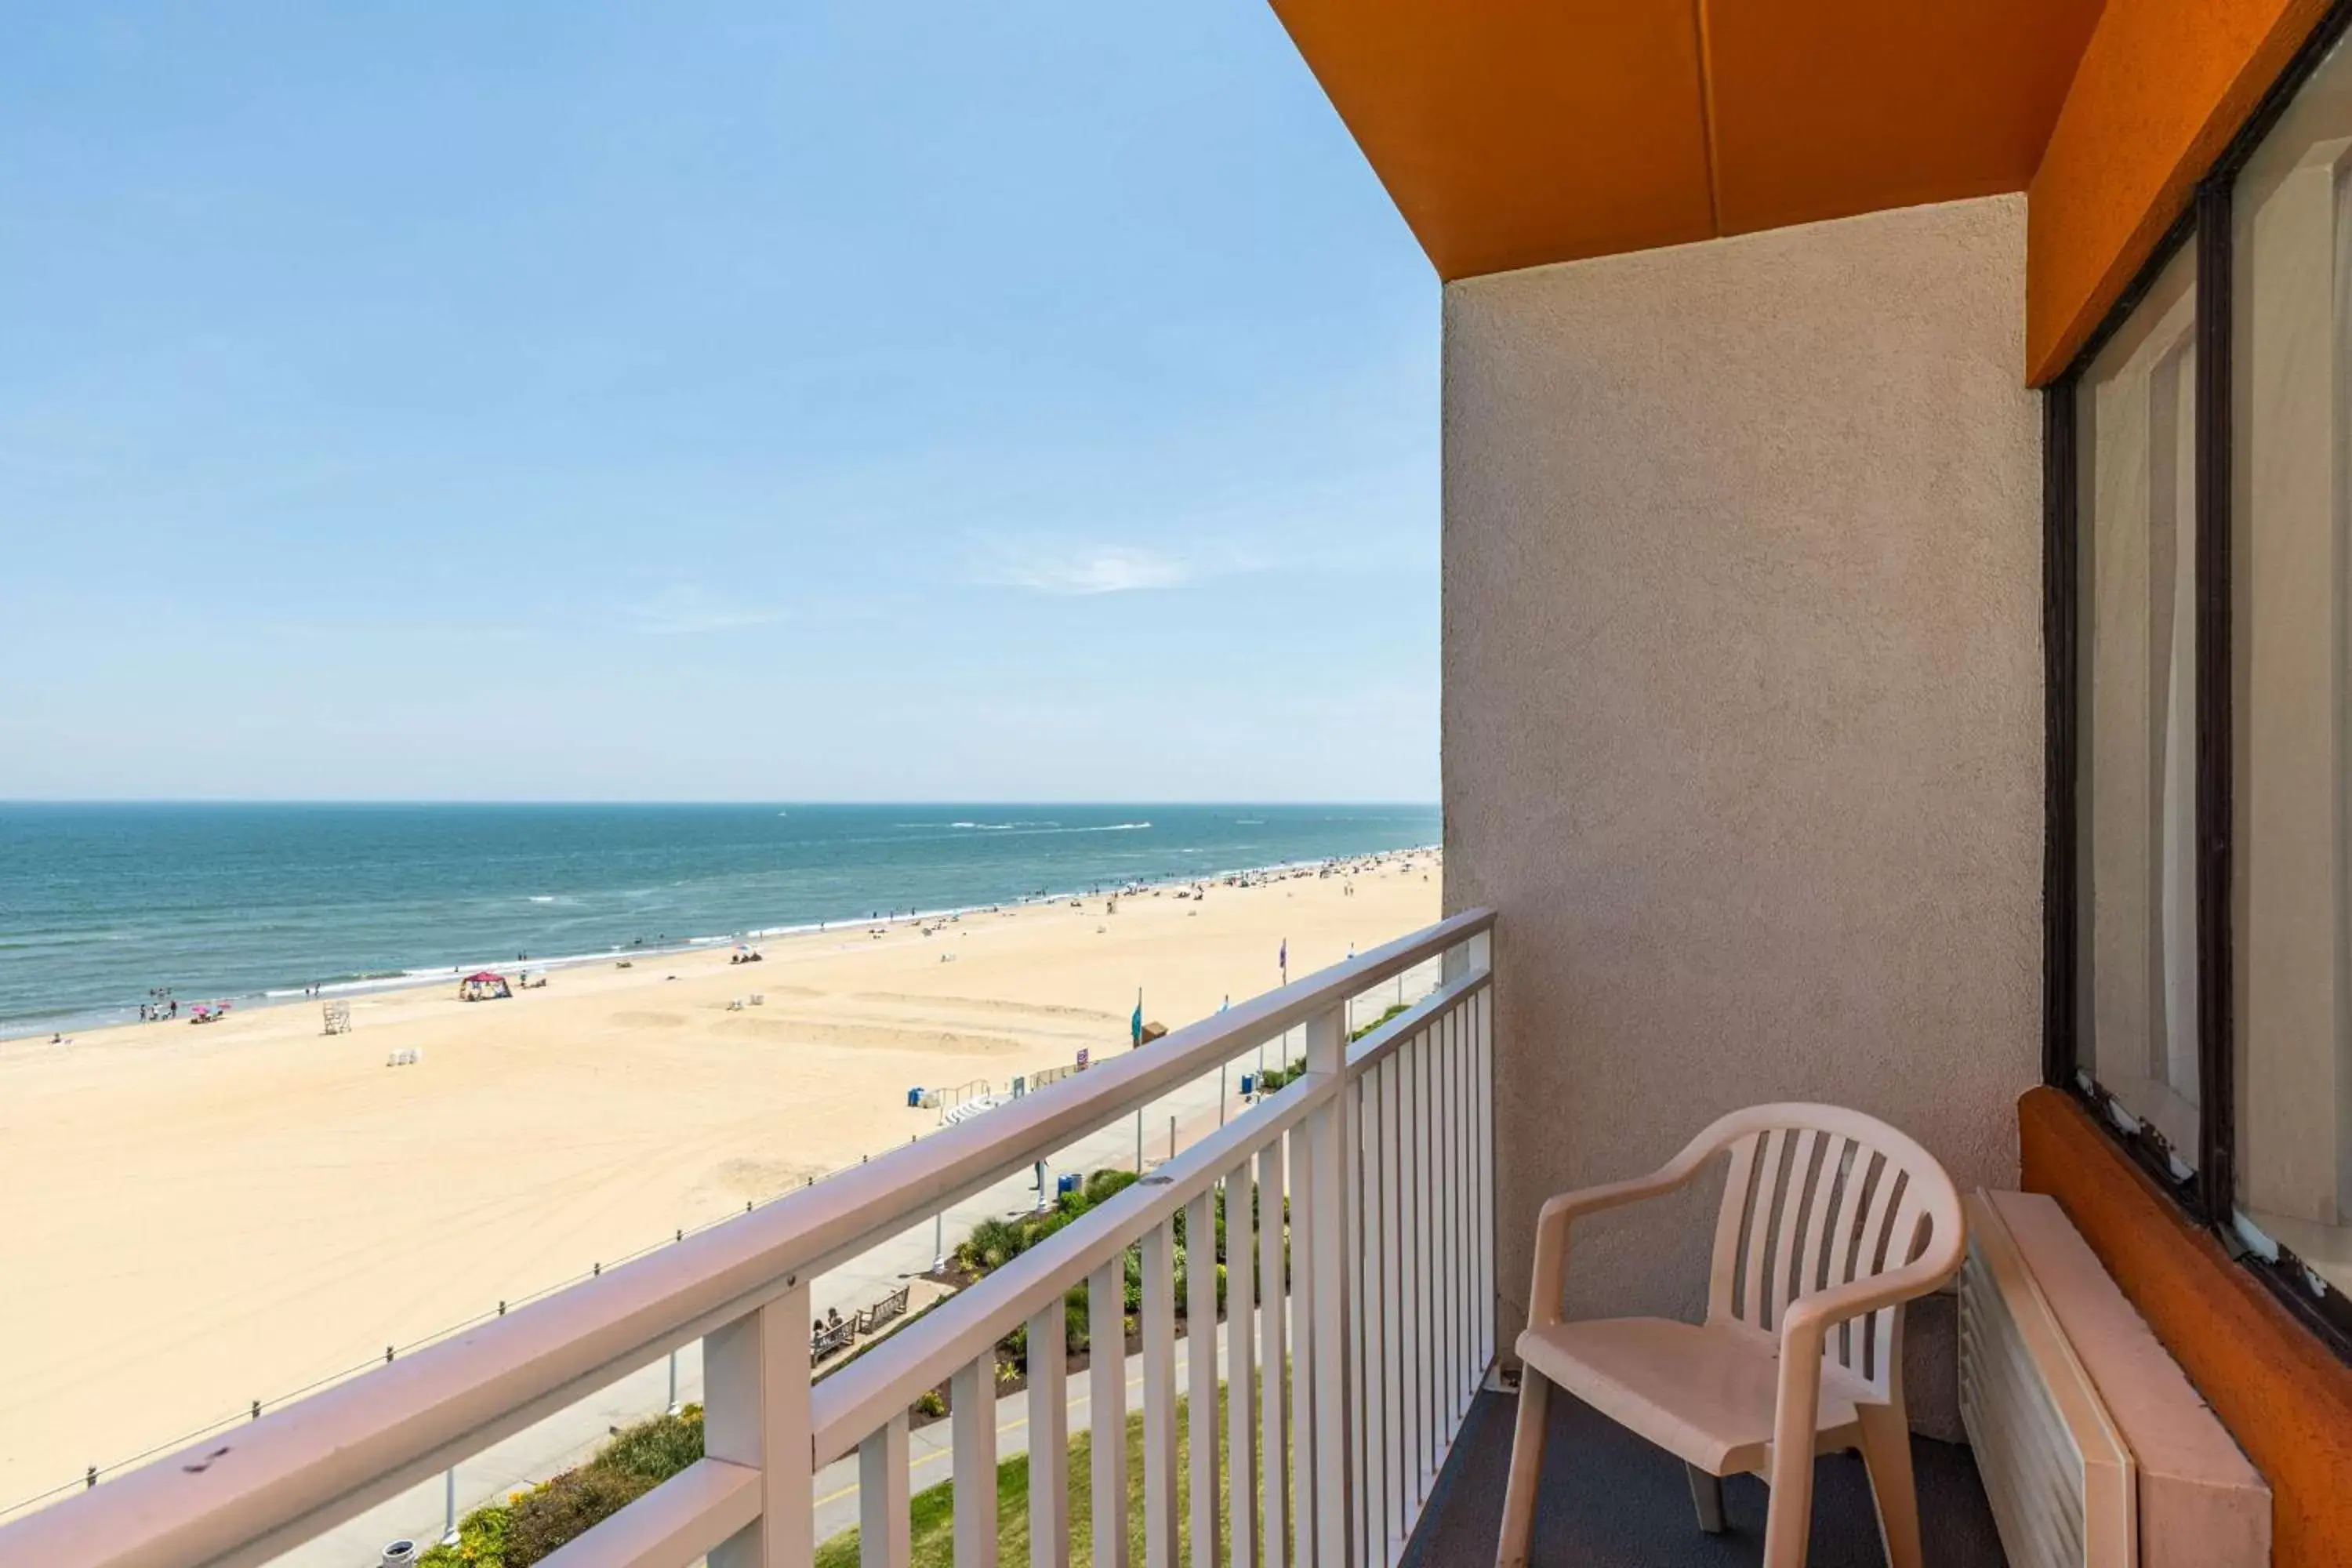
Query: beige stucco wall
point(1743, 709)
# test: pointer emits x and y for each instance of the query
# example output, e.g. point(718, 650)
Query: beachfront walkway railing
point(1341, 1408)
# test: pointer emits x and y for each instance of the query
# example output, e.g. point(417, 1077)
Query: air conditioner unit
point(2062, 1485)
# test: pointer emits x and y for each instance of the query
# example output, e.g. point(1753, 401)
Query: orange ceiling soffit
point(1516, 133)
point(2162, 89)
point(1828, 108)
point(1520, 131)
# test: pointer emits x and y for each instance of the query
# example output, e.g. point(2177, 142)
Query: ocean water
point(101, 904)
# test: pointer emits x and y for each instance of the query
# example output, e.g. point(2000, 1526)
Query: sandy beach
point(199, 1216)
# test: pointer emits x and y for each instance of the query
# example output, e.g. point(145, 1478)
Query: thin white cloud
point(685, 610)
point(1084, 570)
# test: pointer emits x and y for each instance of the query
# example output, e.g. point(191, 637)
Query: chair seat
point(1704, 1392)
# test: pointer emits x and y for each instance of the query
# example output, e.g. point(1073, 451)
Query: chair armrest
point(1804, 1329)
point(1557, 1212)
point(1815, 1315)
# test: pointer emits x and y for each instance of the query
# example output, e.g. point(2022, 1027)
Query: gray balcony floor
point(1610, 1500)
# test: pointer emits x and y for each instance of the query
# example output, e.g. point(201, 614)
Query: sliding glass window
point(2135, 470)
point(2290, 573)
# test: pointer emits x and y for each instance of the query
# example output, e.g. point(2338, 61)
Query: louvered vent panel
point(2057, 1474)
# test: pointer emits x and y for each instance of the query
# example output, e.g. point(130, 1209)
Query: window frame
point(2205, 1194)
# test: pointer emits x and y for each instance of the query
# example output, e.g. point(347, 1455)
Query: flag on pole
point(1134, 1024)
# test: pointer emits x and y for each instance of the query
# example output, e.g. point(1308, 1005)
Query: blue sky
point(721, 401)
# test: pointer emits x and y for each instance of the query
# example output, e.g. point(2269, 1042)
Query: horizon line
point(778, 800)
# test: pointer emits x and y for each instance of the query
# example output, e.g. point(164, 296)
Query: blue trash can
point(1249, 1084)
point(914, 1099)
point(1067, 1184)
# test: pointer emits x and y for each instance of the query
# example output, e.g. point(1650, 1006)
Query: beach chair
point(1830, 1221)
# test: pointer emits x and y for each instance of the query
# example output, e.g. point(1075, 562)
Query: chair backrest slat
point(1817, 1197)
point(1771, 1149)
point(1881, 1330)
point(1875, 1176)
point(1815, 1260)
point(1730, 1225)
point(1837, 1251)
point(1790, 1220)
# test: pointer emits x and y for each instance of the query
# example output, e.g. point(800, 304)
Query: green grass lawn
point(932, 1510)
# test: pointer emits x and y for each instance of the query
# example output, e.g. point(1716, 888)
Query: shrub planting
point(530, 1525)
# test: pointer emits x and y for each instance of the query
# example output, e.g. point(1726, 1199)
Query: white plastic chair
point(1830, 1221)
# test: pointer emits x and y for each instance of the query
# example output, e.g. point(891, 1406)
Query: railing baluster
point(1485, 1002)
point(972, 1399)
point(1200, 1374)
point(755, 1393)
point(1049, 1437)
point(1439, 1373)
point(1106, 1406)
point(1465, 1048)
point(1449, 1234)
point(1456, 1228)
point(1466, 1366)
point(1241, 1375)
point(1306, 1336)
point(1467, 1300)
point(1372, 1481)
point(1359, 1094)
point(1433, 1250)
point(1159, 1516)
point(1441, 1232)
point(1414, 1261)
point(1459, 1205)
point(1331, 1133)
point(1394, 1467)
point(1425, 1200)
point(1273, 1356)
point(885, 1534)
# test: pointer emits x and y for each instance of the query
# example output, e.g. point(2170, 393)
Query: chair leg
point(1886, 1451)
point(1707, 1495)
point(1527, 1470)
point(1789, 1515)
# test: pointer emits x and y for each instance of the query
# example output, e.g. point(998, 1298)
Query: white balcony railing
point(1342, 1407)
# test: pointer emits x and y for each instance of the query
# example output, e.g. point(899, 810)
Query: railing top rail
point(252, 1492)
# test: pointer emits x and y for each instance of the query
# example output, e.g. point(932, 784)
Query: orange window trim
point(2282, 1395)
point(2162, 88)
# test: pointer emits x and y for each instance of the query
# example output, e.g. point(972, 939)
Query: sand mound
point(874, 1036)
point(985, 1005)
point(752, 1178)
